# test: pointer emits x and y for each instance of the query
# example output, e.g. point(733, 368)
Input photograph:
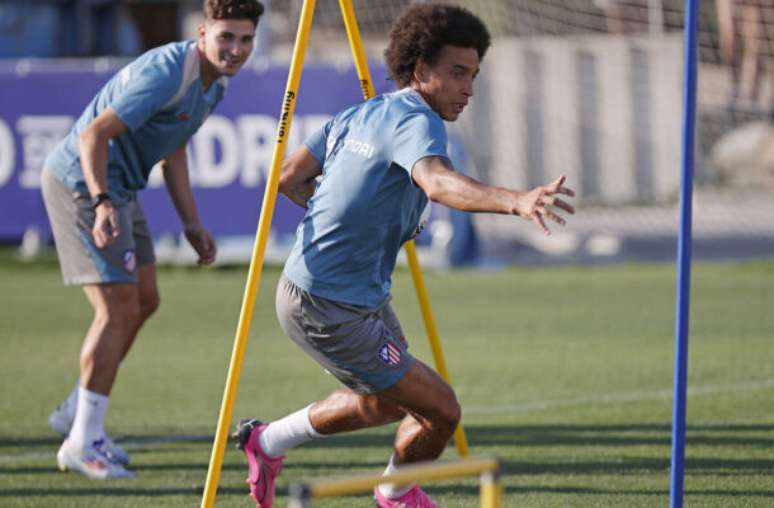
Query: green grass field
point(564, 373)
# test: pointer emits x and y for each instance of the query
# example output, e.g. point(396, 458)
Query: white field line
point(617, 398)
point(525, 407)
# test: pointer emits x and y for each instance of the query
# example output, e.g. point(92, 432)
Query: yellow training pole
point(256, 264)
point(460, 440)
point(355, 42)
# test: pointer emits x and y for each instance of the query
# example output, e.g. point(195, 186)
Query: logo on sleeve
point(183, 117)
point(130, 261)
point(389, 354)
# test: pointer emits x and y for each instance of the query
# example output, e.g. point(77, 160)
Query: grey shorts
point(363, 348)
point(72, 219)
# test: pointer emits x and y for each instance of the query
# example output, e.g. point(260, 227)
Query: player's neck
point(425, 97)
point(207, 72)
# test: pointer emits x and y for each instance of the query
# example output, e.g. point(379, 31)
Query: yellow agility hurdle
point(256, 263)
point(302, 494)
point(358, 54)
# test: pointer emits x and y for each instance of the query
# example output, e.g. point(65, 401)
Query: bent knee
point(118, 317)
point(447, 413)
point(149, 305)
point(451, 412)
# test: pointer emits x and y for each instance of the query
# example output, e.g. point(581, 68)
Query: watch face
point(99, 199)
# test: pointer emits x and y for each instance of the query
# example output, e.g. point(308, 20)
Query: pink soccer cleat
point(262, 469)
point(414, 498)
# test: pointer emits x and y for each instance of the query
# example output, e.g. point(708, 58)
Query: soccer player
point(145, 114)
point(378, 163)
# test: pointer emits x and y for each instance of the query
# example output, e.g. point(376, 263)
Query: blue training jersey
point(366, 204)
point(160, 98)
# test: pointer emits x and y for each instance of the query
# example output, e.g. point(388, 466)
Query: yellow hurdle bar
point(364, 74)
point(256, 264)
point(487, 467)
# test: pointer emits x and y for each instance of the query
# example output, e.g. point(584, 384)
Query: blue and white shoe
point(92, 461)
point(61, 421)
point(115, 452)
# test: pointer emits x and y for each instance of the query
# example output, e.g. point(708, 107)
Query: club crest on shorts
point(389, 354)
point(130, 261)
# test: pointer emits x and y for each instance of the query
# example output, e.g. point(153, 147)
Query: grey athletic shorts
point(72, 219)
point(363, 348)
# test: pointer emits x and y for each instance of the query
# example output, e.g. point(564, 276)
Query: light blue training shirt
point(366, 204)
point(160, 98)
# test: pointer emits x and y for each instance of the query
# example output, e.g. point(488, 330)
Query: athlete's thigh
point(420, 391)
point(352, 343)
point(143, 241)
point(82, 262)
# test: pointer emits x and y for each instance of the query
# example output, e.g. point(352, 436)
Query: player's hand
point(105, 225)
point(202, 242)
point(534, 205)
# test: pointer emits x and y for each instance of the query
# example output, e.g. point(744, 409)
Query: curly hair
point(422, 30)
point(233, 9)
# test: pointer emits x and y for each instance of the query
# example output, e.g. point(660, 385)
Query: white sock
point(70, 403)
point(72, 400)
point(89, 423)
point(288, 432)
point(391, 490)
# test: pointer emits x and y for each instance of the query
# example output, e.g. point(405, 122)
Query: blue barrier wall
point(229, 156)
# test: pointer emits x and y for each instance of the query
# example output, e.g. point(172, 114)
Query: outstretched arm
point(443, 185)
point(175, 170)
point(298, 174)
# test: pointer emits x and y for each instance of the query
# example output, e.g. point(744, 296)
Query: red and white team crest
point(389, 354)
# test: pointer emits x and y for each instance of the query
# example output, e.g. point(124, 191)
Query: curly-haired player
point(378, 164)
point(145, 114)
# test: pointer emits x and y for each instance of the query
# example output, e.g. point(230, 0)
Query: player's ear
point(421, 71)
point(202, 30)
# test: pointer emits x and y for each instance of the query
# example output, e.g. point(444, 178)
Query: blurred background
point(591, 89)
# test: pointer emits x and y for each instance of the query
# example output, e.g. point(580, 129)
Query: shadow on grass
point(335, 468)
point(618, 435)
point(508, 438)
point(117, 492)
point(473, 490)
point(494, 435)
point(457, 490)
point(145, 439)
point(638, 466)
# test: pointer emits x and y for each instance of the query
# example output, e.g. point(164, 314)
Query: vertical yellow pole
point(460, 439)
point(355, 42)
point(256, 264)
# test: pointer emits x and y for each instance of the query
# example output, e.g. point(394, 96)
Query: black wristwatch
point(99, 199)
